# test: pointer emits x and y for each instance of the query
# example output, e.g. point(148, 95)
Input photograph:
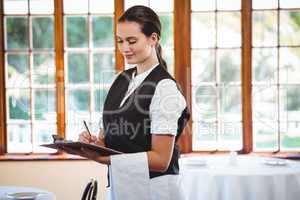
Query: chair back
point(90, 190)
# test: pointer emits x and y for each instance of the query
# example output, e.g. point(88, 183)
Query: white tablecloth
point(249, 179)
point(45, 195)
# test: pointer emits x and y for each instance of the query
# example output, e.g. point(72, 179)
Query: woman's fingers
point(87, 138)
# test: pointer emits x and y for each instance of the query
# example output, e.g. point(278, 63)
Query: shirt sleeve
point(166, 107)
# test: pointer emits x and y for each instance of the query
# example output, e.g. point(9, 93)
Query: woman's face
point(133, 44)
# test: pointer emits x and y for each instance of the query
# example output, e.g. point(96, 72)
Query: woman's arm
point(161, 152)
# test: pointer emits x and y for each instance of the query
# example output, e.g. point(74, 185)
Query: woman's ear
point(154, 39)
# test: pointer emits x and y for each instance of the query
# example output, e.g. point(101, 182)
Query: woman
point(144, 110)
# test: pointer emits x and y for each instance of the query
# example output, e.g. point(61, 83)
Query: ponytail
point(161, 61)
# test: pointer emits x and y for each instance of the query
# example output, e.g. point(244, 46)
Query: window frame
point(182, 72)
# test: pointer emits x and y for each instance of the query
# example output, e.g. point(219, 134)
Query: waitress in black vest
point(144, 110)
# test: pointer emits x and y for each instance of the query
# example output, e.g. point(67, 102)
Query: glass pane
point(229, 65)
point(19, 104)
point(204, 103)
point(203, 66)
point(158, 6)
point(97, 6)
point(204, 135)
point(203, 5)
point(77, 32)
point(104, 68)
point(230, 137)
point(15, 7)
point(17, 70)
point(75, 6)
point(289, 27)
point(289, 4)
point(264, 28)
point(166, 30)
point(43, 69)
point(230, 103)
point(290, 135)
point(264, 103)
point(289, 65)
point(16, 33)
point(265, 136)
point(99, 98)
point(73, 131)
point(42, 32)
point(264, 65)
point(78, 68)
point(269, 4)
point(229, 29)
point(168, 56)
point(42, 135)
point(228, 4)
point(103, 31)
point(78, 105)
point(289, 103)
point(41, 6)
point(203, 24)
point(130, 3)
point(45, 105)
point(19, 138)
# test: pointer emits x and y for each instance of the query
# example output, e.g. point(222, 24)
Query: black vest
point(127, 128)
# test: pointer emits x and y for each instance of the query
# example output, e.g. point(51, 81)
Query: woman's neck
point(147, 64)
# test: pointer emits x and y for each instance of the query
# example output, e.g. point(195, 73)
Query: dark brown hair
point(149, 22)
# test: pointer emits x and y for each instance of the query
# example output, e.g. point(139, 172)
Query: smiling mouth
point(128, 56)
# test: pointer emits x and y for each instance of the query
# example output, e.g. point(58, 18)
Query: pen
point(87, 128)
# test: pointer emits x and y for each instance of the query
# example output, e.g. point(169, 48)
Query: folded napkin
point(130, 177)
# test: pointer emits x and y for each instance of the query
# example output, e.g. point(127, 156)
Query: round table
point(248, 178)
point(45, 195)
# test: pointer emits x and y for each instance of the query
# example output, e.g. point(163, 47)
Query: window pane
point(289, 65)
point(16, 33)
point(42, 32)
point(168, 56)
point(19, 104)
point(45, 105)
point(290, 135)
point(289, 27)
point(231, 136)
point(17, 70)
point(78, 68)
point(19, 138)
point(130, 3)
point(269, 4)
point(97, 6)
point(229, 65)
point(42, 135)
point(204, 103)
point(75, 6)
point(73, 130)
point(158, 6)
point(265, 136)
point(289, 4)
point(103, 31)
point(15, 7)
point(264, 28)
point(104, 68)
point(203, 24)
point(264, 103)
point(203, 66)
point(264, 65)
point(100, 96)
point(43, 69)
point(78, 105)
point(77, 32)
point(289, 103)
point(203, 5)
point(204, 135)
point(228, 4)
point(41, 6)
point(229, 29)
point(167, 30)
point(230, 103)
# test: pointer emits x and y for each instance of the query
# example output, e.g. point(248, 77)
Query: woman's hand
point(87, 138)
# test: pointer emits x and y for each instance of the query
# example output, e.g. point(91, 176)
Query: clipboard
point(103, 151)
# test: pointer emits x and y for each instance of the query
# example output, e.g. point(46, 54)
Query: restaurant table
point(44, 195)
point(221, 177)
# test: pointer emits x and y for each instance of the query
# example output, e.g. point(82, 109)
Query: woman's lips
point(128, 56)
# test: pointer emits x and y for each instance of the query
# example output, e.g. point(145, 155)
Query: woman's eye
point(131, 42)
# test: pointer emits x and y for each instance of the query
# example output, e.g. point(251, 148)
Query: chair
point(90, 190)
